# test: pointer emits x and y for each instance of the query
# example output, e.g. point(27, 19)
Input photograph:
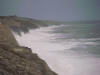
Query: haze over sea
point(68, 49)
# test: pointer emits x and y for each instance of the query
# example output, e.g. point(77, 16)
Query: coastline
point(19, 60)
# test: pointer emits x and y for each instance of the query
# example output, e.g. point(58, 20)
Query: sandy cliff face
point(6, 36)
point(17, 60)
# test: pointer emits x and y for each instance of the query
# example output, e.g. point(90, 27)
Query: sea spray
point(66, 56)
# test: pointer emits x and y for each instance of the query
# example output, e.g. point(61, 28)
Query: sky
point(59, 10)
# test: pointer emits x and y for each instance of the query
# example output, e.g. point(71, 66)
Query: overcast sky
point(60, 10)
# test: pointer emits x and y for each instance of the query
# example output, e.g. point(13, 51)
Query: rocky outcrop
point(18, 60)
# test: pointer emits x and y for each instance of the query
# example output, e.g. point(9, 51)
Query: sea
point(67, 49)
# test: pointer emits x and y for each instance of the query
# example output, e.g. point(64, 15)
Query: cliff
point(18, 60)
point(22, 24)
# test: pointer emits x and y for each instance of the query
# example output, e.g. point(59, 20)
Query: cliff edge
point(18, 60)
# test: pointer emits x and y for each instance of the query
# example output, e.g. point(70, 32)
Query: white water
point(53, 52)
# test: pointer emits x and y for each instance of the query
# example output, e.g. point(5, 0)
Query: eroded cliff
point(18, 60)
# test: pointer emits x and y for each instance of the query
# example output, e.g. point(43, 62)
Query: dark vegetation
point(20, 24)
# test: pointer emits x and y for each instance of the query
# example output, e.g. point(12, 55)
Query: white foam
point(43, 43)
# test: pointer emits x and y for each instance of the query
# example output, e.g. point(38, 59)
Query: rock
point(17, 60)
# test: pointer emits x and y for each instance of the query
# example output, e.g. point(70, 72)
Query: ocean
point(67, 49)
